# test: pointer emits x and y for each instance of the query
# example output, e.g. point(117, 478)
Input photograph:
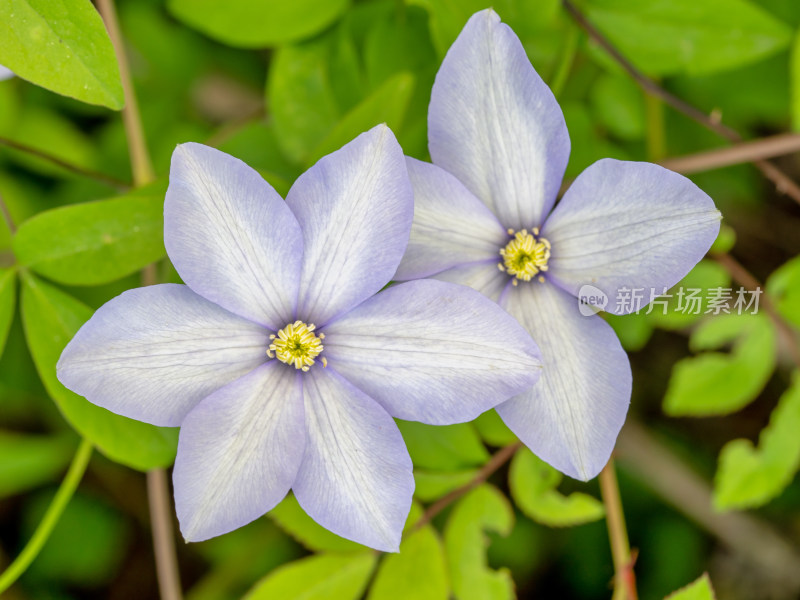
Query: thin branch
point(666, 475)
point(169, 583)
point(782, 181)
point(97, 176)
point(7, 216)
point(769, 147)
point(499, 458)
point(746, 279)
point(624, 578)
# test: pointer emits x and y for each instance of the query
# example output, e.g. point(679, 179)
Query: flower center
point(297, 345)
point(524, 256)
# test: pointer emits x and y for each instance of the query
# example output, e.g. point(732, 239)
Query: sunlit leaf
point(698, 590)
point(750, 477)
point(446, 448)
point(61, 45)
point(716, 383)
point(293, 519)
point(51, 317)
point(432, 485)
point(783, 287)
point(533, 486)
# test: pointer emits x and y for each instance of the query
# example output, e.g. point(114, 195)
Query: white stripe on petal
point(433, 352)
point(239, 451)
point(356, 477)
point(572, 416)
point(153, 353)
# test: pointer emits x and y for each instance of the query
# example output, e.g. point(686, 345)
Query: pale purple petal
point(231, 237)
point(153, 353)
point(451, 226)
point(355, 207)
point(572, 416)
point(629, 225)
point(239, 451)
point(356, 477)
point(433, 352)
point(484, 277)
point(495, 125)
point(5, 73)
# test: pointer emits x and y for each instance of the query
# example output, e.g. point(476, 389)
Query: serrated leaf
point(27, 461)
point(698, 590)
point(749, 477)
point(258, 23)
point(387, 104)
point(443, 448)
point(417, 572)
point(714, 383)
point(533, 487)
point(432, 485)
point(293, 519)
point(8, 298)
point(321, 577)
point(95, 242)
point(783, 287)
point(484, 508)
point(61, 45)
point(50, 318)
point(665, 37)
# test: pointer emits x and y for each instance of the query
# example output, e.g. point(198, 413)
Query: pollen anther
point(296, 345)
point(525, 255)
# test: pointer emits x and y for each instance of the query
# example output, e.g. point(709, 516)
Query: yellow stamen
point(297, 345)
point(525, 256)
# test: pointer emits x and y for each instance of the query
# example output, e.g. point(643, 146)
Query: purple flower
point(279, 361)
point(500, 147)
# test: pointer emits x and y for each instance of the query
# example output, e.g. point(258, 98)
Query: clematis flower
point(279, 361)
point(484, 217)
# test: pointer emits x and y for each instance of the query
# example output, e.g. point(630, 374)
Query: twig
point(656, 466)
point(169, 583)
point(7, 216)
point(101, 177)
point(782, 181)
point(746, 279)
point(624, 578)
point(769, 147)
point(499, 458)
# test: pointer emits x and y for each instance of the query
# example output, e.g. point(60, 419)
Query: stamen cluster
point(296, 344)
point(525, 256)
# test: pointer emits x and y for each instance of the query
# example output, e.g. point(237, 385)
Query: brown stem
point(101, 177)
point(7, 216)
point(782, 181)
point(499, 458)
point(769, 147)
point(666, 475)
point(169, 583)
point(624, 578)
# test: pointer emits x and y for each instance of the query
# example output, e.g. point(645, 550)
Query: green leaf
point(493, 430)
point(664, 37)
point(484, 508)
point(8, 296)
point(794, 82)
point(443, 448)
point(27, 461)
point(618, 105)
point(726, 239)
point(387, 105)
point(432, 485)
point(258, 23)
point(417, 572)
point(533, 486)
point(61, 45)
point(95, 242)
point(714, 383)
point(321, 577)
point(50, 318)
point(783, 287)
point(699, 590)
point(750, 477)
point(293, 519)
point(633, 330)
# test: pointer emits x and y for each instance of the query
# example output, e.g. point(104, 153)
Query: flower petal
point(239, 451)
point(355, 207)
point(231, 237)
point(629, 225)
point(5, 73)
point(495, 125)
point(153, 353)
point(572, 416)
point(484, 277)
point(356, 477)
point(451, 226)
point(434, 352)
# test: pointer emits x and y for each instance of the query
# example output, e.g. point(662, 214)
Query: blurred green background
point(281, 84)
